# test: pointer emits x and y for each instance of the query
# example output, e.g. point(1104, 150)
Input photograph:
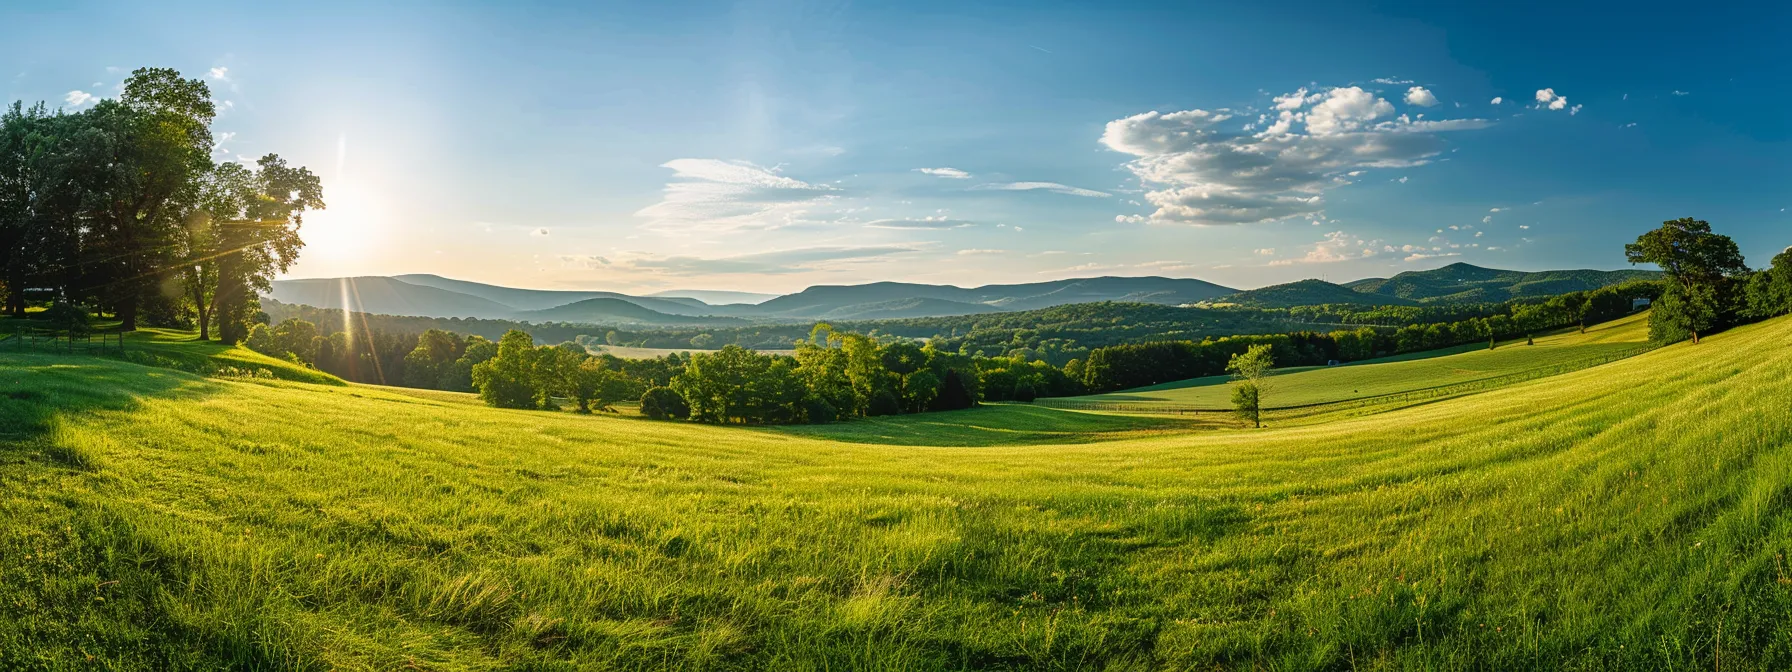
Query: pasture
point(1631, 515)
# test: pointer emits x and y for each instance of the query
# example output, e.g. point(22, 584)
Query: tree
point(1770, 291)
point(295, 337)
point(1698, 264)
point(592, 385)
point(436, 352)
point(702, 341)
point(954, 393)
point(507, 380)
point(1248, 372)
point(660, 403)
point(261, 238)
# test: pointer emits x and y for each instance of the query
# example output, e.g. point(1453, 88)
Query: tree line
point(1120, 367)
point(121, 208)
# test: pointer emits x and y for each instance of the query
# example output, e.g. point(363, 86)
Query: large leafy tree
point(141, 154)
point(1249, 369)
point(1699, 265)
point(257, 236)
point(1770, 291)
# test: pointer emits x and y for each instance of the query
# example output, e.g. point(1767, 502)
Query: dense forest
point(120, 208)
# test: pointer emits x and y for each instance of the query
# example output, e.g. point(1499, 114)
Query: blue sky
point(768, 146)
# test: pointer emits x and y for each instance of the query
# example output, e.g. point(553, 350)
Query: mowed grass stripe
point(1618, 517)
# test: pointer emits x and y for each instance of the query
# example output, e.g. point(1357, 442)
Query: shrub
point(1025, 393)
point(661, 403)
point(884, 402)
point(819, 411)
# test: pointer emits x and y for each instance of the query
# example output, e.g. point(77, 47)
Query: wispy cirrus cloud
point(1277, 166)
point(715, 196)
point(1042, 186)
point(923, 223)
point(952, 173)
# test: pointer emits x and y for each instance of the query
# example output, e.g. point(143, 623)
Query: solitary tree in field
point(1248, 371)
point(1699, 265)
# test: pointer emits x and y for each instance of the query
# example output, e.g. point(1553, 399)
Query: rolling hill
point(541, 299)
point(1617, 517)
point(1308, 293)
point(948, 300)
point(606, 310)
point(378, 294)
point(1465, 283)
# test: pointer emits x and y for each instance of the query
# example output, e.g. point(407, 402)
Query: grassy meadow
point(1627, 516)
point(1403, 373)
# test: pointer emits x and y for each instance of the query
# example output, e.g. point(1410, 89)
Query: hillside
point(376, 294)
point(1308, 293)
point(1465, 283)
point(1618, 517)
point(822, 300)
point(540, 299)
point(614, 311)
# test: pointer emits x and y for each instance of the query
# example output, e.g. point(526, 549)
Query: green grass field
point(1393, 375)
point(1628, 516)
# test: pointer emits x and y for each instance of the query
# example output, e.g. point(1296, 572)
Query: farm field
point(1627, 516)
point(1426, 370)
point(632, 352)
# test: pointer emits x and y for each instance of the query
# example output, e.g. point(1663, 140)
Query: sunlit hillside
point(1630, 516)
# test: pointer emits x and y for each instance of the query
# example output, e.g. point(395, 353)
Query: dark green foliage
point(818, 411)
point(954, 394)
point(1024, 392)
point(1769, 292)
point(68, 319)
point(883, 402)
point(663, 403)
point(509, 380)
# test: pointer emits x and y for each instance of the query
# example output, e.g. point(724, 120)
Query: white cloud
point(1337, 246)
point(1266, 251)
point(1574, 110)
point(221, 73)
point(1201, 174)
point(952, 173)
point(1130, 219)
point(1402, 179)
point(1497, 100)
point(1629, 125)
point(1424, 256)
point(542, 232)
point(1547, 98)
point(1420, 96)
point(709, 195)
point(1487, 220)
point(1042, 186)
point(79, 98)
point(1390, 81)
point(975, 251)
point(1680, 93)
point(938, 222)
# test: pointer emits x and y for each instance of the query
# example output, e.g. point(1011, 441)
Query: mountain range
point(435, 296)
point(1455, 283)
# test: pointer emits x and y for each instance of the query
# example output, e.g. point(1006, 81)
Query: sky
point(770, 146)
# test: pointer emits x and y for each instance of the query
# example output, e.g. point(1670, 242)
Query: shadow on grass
point(994, 425)
point(38, 391)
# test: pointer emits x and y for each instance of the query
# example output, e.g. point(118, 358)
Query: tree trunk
point(127, 313)
point(1695, 338)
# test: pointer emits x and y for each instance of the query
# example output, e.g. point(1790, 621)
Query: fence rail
point(1423, 394)
point(39, 341)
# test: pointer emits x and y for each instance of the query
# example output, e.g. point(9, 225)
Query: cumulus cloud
point(1130, 219)
point(952, 173)
point(934, 223)
point(709, 195)
point(1497, 100)
point(795, 260)
point(79, 98)
point(1201, 174)
point(1337, 246)
point(221, 73)
point(1547, 99)
point(1423, 256)
point(1420, 96)
point(1043, 186)
point(541, 232)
